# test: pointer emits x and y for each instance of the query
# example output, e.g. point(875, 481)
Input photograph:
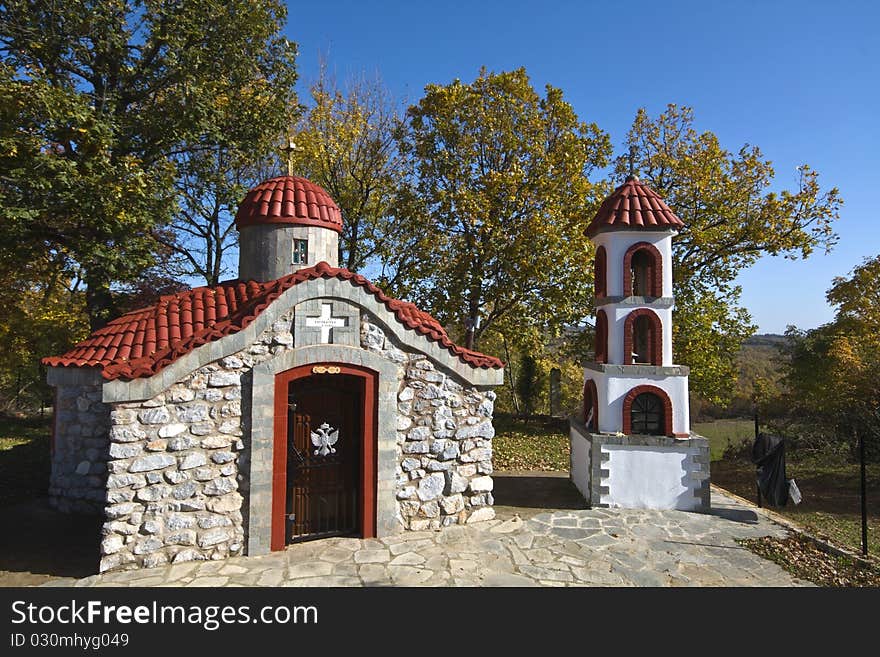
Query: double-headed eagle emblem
point(324, 439)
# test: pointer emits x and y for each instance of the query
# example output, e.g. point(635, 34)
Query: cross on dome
point(289, 150)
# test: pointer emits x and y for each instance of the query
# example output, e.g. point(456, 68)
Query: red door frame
point(368, 445)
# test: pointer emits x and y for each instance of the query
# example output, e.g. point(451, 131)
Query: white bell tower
point(633, 387)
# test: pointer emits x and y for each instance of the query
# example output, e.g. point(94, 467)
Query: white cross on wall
point(325, 322)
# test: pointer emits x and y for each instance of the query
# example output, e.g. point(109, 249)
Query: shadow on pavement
point(530, 493)
point(735, 515)
point(40, 544)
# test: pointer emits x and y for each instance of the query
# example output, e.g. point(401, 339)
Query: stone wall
point(79, 459)
point(178, 465)
point(179, 462)
point(444, 434)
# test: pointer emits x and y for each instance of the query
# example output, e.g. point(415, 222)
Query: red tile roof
point(141, 343)
point(635, 206)
point(289, 200)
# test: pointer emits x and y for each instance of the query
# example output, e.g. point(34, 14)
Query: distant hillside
point(766, 340)
point(759, 359)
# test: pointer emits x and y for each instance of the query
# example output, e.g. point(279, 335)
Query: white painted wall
point(616, 314)
point(580, 462)
point(648, 477)
point(611, 389)
point(616, 243)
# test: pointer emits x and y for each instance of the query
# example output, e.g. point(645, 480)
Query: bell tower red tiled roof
point(634, 206)
point(289, 200)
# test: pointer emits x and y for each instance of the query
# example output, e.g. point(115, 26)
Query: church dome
point(289, 200)
point(634, 206)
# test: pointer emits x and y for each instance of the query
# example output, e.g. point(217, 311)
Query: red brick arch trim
point(600, 346)
point(655, 343)
point(591, 400)
point(635, 392)
point(600, 273)
point(655, 273)
point(369, 447)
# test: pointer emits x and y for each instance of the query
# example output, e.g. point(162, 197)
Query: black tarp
point(768, 453)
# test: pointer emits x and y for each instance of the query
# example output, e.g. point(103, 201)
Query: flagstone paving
point(567, 547)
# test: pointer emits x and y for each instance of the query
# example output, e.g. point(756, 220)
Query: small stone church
point(294, 403)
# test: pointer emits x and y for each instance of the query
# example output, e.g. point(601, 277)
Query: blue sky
point(801, 80)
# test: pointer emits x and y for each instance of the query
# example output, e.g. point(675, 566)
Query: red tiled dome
point(634, 206)
point(289, 200)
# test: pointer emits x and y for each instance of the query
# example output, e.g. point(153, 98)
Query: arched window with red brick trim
point(642, 338)
point(600, 273)
point(591, 406)
point(643, 271)
point(600, 346)
point(647, 410)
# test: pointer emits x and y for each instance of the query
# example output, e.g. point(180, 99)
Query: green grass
point(20, 431)
point(722, 433)
point(537, 446)
point(830, 487)
point(24, 458)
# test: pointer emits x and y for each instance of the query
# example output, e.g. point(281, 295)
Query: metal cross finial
point(289, 150)
point(632, 159)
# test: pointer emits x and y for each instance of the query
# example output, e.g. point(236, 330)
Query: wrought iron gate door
point(324, 451)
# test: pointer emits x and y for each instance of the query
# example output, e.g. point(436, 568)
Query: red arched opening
point(642, 338)
point(591, 406)
point(650, 400)
point(643, 271)
point(360, 384)
point(600, 273)
point(600, 346)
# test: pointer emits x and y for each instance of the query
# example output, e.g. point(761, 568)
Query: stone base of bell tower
point(640, 472)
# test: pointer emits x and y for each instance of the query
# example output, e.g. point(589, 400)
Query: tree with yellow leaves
point(732, 218)
point(832, 373)
point(347, 142)
point(503, 181)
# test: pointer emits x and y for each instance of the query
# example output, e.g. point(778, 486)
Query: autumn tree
point(732, 218)
point(503, 176)
point(832, 370)
point(99, 100)
point(347, 142)
point(210, 184)
point(43, 312)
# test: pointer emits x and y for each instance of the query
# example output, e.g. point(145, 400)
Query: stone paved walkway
point(569, 547)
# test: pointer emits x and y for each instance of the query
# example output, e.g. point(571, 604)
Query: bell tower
point(633, 387)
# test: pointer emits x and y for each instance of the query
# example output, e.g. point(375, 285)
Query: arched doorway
point(643, 271)
point(642, 338)
point(324, 463)
point(600, 273)
point(591, 406)
point(600, 347)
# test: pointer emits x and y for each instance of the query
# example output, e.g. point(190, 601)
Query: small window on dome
point(300, 252)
